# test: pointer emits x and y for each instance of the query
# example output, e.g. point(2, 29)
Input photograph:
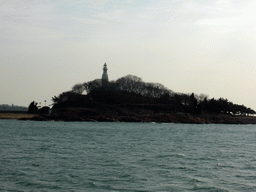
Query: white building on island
point(104, 78)
point(105, 84)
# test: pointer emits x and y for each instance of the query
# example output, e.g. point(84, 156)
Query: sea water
point(89, 156)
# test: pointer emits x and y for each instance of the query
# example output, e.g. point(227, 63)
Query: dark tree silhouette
point(32, 108)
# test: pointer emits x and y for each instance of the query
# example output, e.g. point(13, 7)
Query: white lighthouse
point(105, 75)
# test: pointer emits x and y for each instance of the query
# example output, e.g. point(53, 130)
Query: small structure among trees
point(104, 78)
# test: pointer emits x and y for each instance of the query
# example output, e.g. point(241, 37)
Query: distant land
point(13, 112)
point(6, 107)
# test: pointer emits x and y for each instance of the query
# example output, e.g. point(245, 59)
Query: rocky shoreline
point(117, 115)
point(168, 118)
point(90, 115)
point(158, 118)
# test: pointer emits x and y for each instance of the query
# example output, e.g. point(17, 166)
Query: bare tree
point(129, 83)
point(201, 97)
point(78, 88)
point(92, 85)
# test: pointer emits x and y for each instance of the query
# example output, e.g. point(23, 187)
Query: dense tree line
point(129, 83)
point(131, 90)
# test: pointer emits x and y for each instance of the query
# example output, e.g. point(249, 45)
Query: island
point(129, 99)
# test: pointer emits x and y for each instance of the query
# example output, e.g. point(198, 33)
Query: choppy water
point(84, 156)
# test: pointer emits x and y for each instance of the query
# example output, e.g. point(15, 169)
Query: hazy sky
point(47, 46)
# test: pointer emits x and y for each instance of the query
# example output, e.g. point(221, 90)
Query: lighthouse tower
point(105, 75)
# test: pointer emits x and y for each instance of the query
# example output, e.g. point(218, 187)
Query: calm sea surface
point(84, 156)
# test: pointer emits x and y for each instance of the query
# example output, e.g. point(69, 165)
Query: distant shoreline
point(12, 111)
point(16, 115)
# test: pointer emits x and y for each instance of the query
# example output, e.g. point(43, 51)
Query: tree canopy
point(131, 89)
